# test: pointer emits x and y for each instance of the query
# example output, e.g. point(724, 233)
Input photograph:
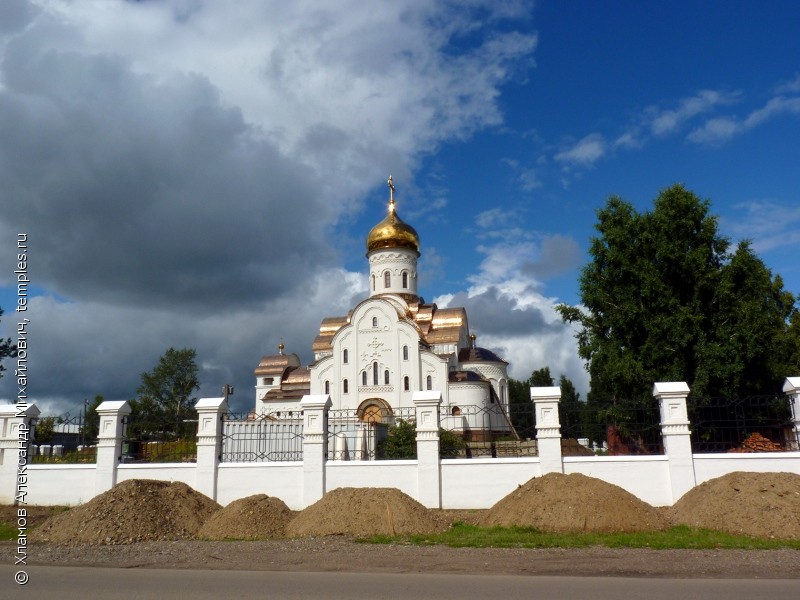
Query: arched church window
point(387, 279)
point(405, 279)
point(363, 378)
point(405, 383)
point(405, 352)
point(344, 356)
point(456, 411)
point(373, 282)
point(374, 321)
point(327, 387)
point(429, 382)
point(386, 377)
point(375, 373)
point(344, 387)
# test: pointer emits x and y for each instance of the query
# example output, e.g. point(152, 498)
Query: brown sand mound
point(574, 503)
point(258, 517)
point(755, 504)
point(133, 511)
point(364, 511)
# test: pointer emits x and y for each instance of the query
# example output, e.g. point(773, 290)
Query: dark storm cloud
point(494, 311)
point(557, 255)
point(135, 189)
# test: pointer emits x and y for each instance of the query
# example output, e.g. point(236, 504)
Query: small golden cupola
point(392, 232)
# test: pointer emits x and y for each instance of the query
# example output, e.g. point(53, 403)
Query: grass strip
point(680, 537)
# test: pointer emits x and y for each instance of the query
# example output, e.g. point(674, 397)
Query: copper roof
point(300, 375)
point(449, 317)
point(276, 364)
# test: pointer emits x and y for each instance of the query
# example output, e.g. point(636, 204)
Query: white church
point(388, 346)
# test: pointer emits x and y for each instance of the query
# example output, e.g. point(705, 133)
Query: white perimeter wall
point(281, 480)
point(480, 482)
point(465, 483)
point(400, 474)
point(60, 485)
point(646, 477)
point(711, 466)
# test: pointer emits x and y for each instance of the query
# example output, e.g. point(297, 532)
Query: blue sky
point(205, 177)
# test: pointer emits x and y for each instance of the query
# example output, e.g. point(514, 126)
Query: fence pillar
point(209, 443)
point(792, 387)
point(675, 433)
point(16, 450)
point(109, 443)
point(315, 445)
point(548, 428)
point(429, 472)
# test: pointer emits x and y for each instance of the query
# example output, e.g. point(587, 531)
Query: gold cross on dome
point(391, 189)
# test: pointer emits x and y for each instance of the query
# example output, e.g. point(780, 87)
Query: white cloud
point(664, 122)
point(722, 129)
point(512, 317)
point(791, 86)
point(768, 224)
point(585, 152)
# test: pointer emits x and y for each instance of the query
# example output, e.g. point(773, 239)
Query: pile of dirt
point(258, 517)
point(574, 503)
point(756, 504)
point(364, 511)
point(133, 511)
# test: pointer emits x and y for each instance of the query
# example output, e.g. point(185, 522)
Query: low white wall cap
point(110, 405)
point(209, 402)
point(545, 392)
point(320, 400)
point(670, 387)
point(7, 410)
point(792, 384)
point(427, 395)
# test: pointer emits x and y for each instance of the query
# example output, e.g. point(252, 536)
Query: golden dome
point(392, 232)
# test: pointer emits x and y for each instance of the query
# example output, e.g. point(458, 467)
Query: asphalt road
point(93, 583)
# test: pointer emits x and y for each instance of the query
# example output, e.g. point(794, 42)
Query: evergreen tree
point(664, 301)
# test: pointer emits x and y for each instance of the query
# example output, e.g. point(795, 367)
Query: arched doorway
point(374, 410)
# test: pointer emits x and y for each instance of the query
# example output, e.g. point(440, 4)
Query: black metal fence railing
point(750, 424)
point(474, 431)
point(148, 440)
point(273, 437)
point(588, 429)
point(372, 433)
point(65, 439)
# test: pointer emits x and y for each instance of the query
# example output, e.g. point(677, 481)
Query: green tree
point(164, 400)
point(664, 301)
point(7, 349)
